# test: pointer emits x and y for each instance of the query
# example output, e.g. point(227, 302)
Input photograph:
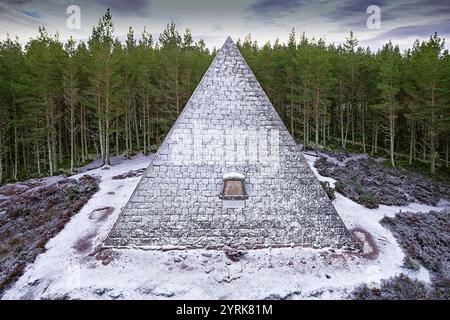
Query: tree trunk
point(317, 115)
point(177, 89)
point(86, 131)
point(117, 135)
point(60, 142)
point(346, 126)
point(16, 154)
point(341, 111)
point(1, 156)
point(391, 140)
point(72, 133)
point(16, 145)
point(151, 133)
point(136, 125)
point(352, 119)
point(145, 122)
point(292, 105)
point(83, 155)
point(363, 125)
point(100, 130)
point(424, 148)
point(433, 153)
point(49, 140)
point(373, 132)
point(391, 130)
point(305, 123)
point(324, 131)
point(446, 149)
point(130, 135)
point(24, 157)
point(412, 142)
point(107, 110)
point(54, 139)
point(127, 137)
point(38, 157)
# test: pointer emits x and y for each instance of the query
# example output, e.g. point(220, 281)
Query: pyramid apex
point(229, 41)
point(228, 45)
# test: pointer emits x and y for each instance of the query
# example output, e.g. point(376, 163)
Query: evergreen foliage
point(62, 104)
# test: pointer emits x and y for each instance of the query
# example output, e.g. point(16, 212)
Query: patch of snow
point(311, 159)
point(316, 154)
point(115, 160)
point(444, 203)
point(11, 189)
point(233, 175)
point(283, 273)
point(48, 181)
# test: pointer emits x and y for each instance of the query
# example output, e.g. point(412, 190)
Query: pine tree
point(102, 78)
point(430, 85)
point(389, 86)
point(116, 97)
point(71, 93)
point(170, 55)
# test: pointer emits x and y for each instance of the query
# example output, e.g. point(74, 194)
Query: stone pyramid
point(228, 130)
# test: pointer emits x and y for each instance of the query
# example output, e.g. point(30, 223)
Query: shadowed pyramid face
point(228, 125)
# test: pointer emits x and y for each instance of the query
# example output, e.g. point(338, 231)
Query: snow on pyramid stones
point(228, 174)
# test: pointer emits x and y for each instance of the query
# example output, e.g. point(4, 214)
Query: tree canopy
point(63, 104)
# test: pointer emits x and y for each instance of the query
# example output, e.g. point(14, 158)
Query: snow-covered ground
point(66, 270)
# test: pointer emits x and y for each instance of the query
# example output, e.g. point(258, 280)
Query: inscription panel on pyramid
point(228, 126)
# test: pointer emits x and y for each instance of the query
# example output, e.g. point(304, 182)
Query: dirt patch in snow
point(101, 214)
point(84, 244)
point(34, 214)
point(234, 255)
point(130, 174)
point(104, 255)
point(364, 241)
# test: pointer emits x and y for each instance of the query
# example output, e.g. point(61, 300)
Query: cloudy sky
point(402, 21)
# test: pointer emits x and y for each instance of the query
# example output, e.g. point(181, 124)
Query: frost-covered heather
point(31, 213)
point(367, 182)
point(68, 269)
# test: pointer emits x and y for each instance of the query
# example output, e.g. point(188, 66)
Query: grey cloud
point(128, 6)
point(352, 15)
point(415, 31)
point(274, 8)
point(33, 14)
point(356, 6)
point(15, 1)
